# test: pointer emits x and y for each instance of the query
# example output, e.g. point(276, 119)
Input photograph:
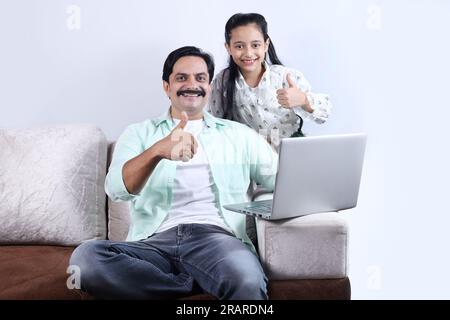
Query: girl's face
point(248, 48)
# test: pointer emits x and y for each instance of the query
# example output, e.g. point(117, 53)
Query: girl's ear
point(228, 48)
point(267, 44)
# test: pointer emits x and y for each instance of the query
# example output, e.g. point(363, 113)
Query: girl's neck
point(253, 78)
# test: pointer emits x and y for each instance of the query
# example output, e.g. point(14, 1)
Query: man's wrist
point(155, 152)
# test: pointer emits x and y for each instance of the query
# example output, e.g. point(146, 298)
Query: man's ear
point(208, 88)
point(166, 87)
point(228, 48)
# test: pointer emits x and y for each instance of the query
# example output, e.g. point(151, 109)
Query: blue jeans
point(184, 260)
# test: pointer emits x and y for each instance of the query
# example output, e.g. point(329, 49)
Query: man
point(177, 171)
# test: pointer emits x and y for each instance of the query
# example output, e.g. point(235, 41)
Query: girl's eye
point(239, 47)
point(256, 45)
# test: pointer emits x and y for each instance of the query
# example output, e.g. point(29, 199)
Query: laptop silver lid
point(318, 174)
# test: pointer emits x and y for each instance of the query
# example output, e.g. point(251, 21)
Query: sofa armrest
point(308, 247)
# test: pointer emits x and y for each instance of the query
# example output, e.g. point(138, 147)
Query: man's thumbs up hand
point(179, 144)
point(183, 122)
point(291, 96)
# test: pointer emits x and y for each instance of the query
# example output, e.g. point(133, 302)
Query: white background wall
point(384, 63)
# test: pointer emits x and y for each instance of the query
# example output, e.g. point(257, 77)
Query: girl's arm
point(318, 103)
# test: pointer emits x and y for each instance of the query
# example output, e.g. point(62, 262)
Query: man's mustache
point(199, 92)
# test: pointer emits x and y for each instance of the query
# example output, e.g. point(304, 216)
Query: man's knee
point(85, 258)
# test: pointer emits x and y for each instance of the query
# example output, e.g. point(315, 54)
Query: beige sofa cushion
point(118, 212)
point(118, 220)
point(51, 185)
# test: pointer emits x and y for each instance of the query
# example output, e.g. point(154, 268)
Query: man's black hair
point(175, 55)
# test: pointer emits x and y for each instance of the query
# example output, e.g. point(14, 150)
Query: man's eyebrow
point(185, 74)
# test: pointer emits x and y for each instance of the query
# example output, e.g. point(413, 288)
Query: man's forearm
point(136, 171)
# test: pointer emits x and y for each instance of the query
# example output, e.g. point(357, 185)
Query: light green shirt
point(236, 155)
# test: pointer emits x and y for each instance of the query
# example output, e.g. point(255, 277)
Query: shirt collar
point(209, 119)
point(264, 82)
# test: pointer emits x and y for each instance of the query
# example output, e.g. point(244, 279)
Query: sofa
point(52, 199)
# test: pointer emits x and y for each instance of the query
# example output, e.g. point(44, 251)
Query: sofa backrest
point(118, 212)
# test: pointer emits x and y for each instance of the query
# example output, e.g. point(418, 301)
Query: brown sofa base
point(39, 272)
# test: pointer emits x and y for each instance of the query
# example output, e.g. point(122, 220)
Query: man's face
point(188, 88)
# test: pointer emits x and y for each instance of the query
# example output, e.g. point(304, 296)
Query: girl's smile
point(249, 62)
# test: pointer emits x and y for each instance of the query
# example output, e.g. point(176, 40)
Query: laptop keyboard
point(261, 206)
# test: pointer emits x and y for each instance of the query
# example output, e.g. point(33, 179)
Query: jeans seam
point(130, 245)
point(167, 274)
point(198, 269)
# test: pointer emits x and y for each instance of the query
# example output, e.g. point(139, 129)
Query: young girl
point(268, 97)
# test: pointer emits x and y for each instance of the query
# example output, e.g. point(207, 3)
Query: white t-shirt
point(193, 199)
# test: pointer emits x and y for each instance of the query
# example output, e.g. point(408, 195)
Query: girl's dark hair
point(238, 20)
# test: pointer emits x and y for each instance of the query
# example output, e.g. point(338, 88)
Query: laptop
point(315, 174)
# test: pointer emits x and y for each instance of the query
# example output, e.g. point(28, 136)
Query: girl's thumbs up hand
point(292, 96)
